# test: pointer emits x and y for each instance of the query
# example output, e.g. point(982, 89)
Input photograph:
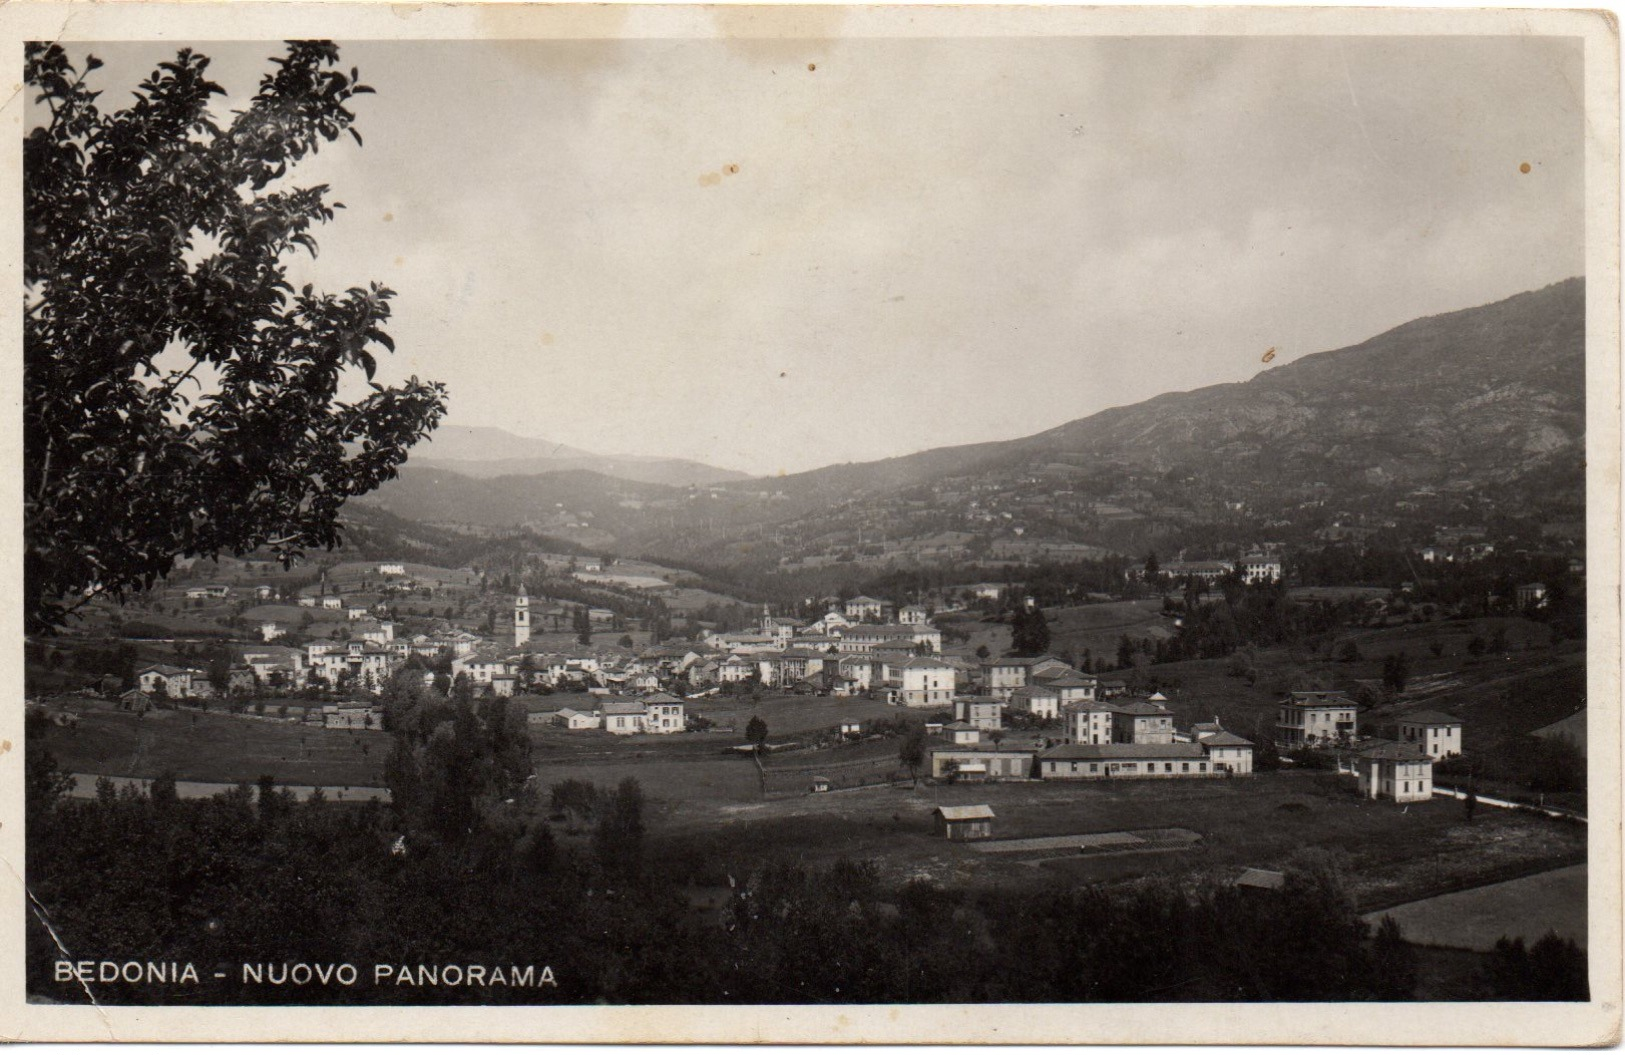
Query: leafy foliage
point(157, 233)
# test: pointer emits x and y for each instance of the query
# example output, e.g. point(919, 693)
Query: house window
point(1201, 767)
point(1407, 786)
point(1184, 767)
point(1094, 767)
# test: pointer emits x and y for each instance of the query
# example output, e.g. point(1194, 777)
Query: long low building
point(1104, 761)
point(981, 761)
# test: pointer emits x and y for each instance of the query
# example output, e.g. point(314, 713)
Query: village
point(1010, 718)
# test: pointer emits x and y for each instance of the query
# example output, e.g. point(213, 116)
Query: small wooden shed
point(963, 823)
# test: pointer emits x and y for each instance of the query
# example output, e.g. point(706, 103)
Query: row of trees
point(253, 876)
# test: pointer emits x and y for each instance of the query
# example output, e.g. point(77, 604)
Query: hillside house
point(831, 622)
point(391, 568)
point(1401, 772)
point(913, 615)
point(960, 733)
point(1316, 717)
point(135, 701)
point(213, 591)
point(1040, 701)
point(1111, 687)
point(307, 602)
point(1001, 677)
point(1436, 733)
point(1072, 687)
point(964, 823)
point(980, 712)
point(866, 609)
point(332, 602)
point(270, 631)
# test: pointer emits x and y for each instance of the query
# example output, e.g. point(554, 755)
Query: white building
point(1436, 733)
point(1316, 717)
point(923, 682)
point(1259, 567)
point(1401, 772)
point(521, 617)
point(1040, 701)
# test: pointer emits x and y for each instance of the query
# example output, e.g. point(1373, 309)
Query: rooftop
point(1429, 718)
point(1119, 752)
point(965, 813)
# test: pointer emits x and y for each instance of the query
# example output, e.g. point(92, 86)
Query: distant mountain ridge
point(1487, 392)
point(1486, 401)
point(483, 452)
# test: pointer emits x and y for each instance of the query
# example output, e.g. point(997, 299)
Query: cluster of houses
point(1255, 567)
point(657, 713)
point(1102, 739)
point(1399, 769)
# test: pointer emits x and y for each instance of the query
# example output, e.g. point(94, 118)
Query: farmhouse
point(161, 679)
point(623, 717)
point(1401, 772)
point(333, 602)
point(1317, 717)
point(351, 716)
point(963, 823)
point(571, 718)
point(1435, 732)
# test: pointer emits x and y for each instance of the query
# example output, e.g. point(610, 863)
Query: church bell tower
point(521, 618)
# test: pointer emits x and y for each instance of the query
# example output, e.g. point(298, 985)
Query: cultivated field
point(1525, 908)
point(216, 747)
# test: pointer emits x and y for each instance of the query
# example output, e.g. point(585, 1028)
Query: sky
point(776, 256)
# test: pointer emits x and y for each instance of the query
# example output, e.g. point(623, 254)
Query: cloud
point(736, 259)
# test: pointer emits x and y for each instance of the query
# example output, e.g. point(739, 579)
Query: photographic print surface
point(814, 517)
